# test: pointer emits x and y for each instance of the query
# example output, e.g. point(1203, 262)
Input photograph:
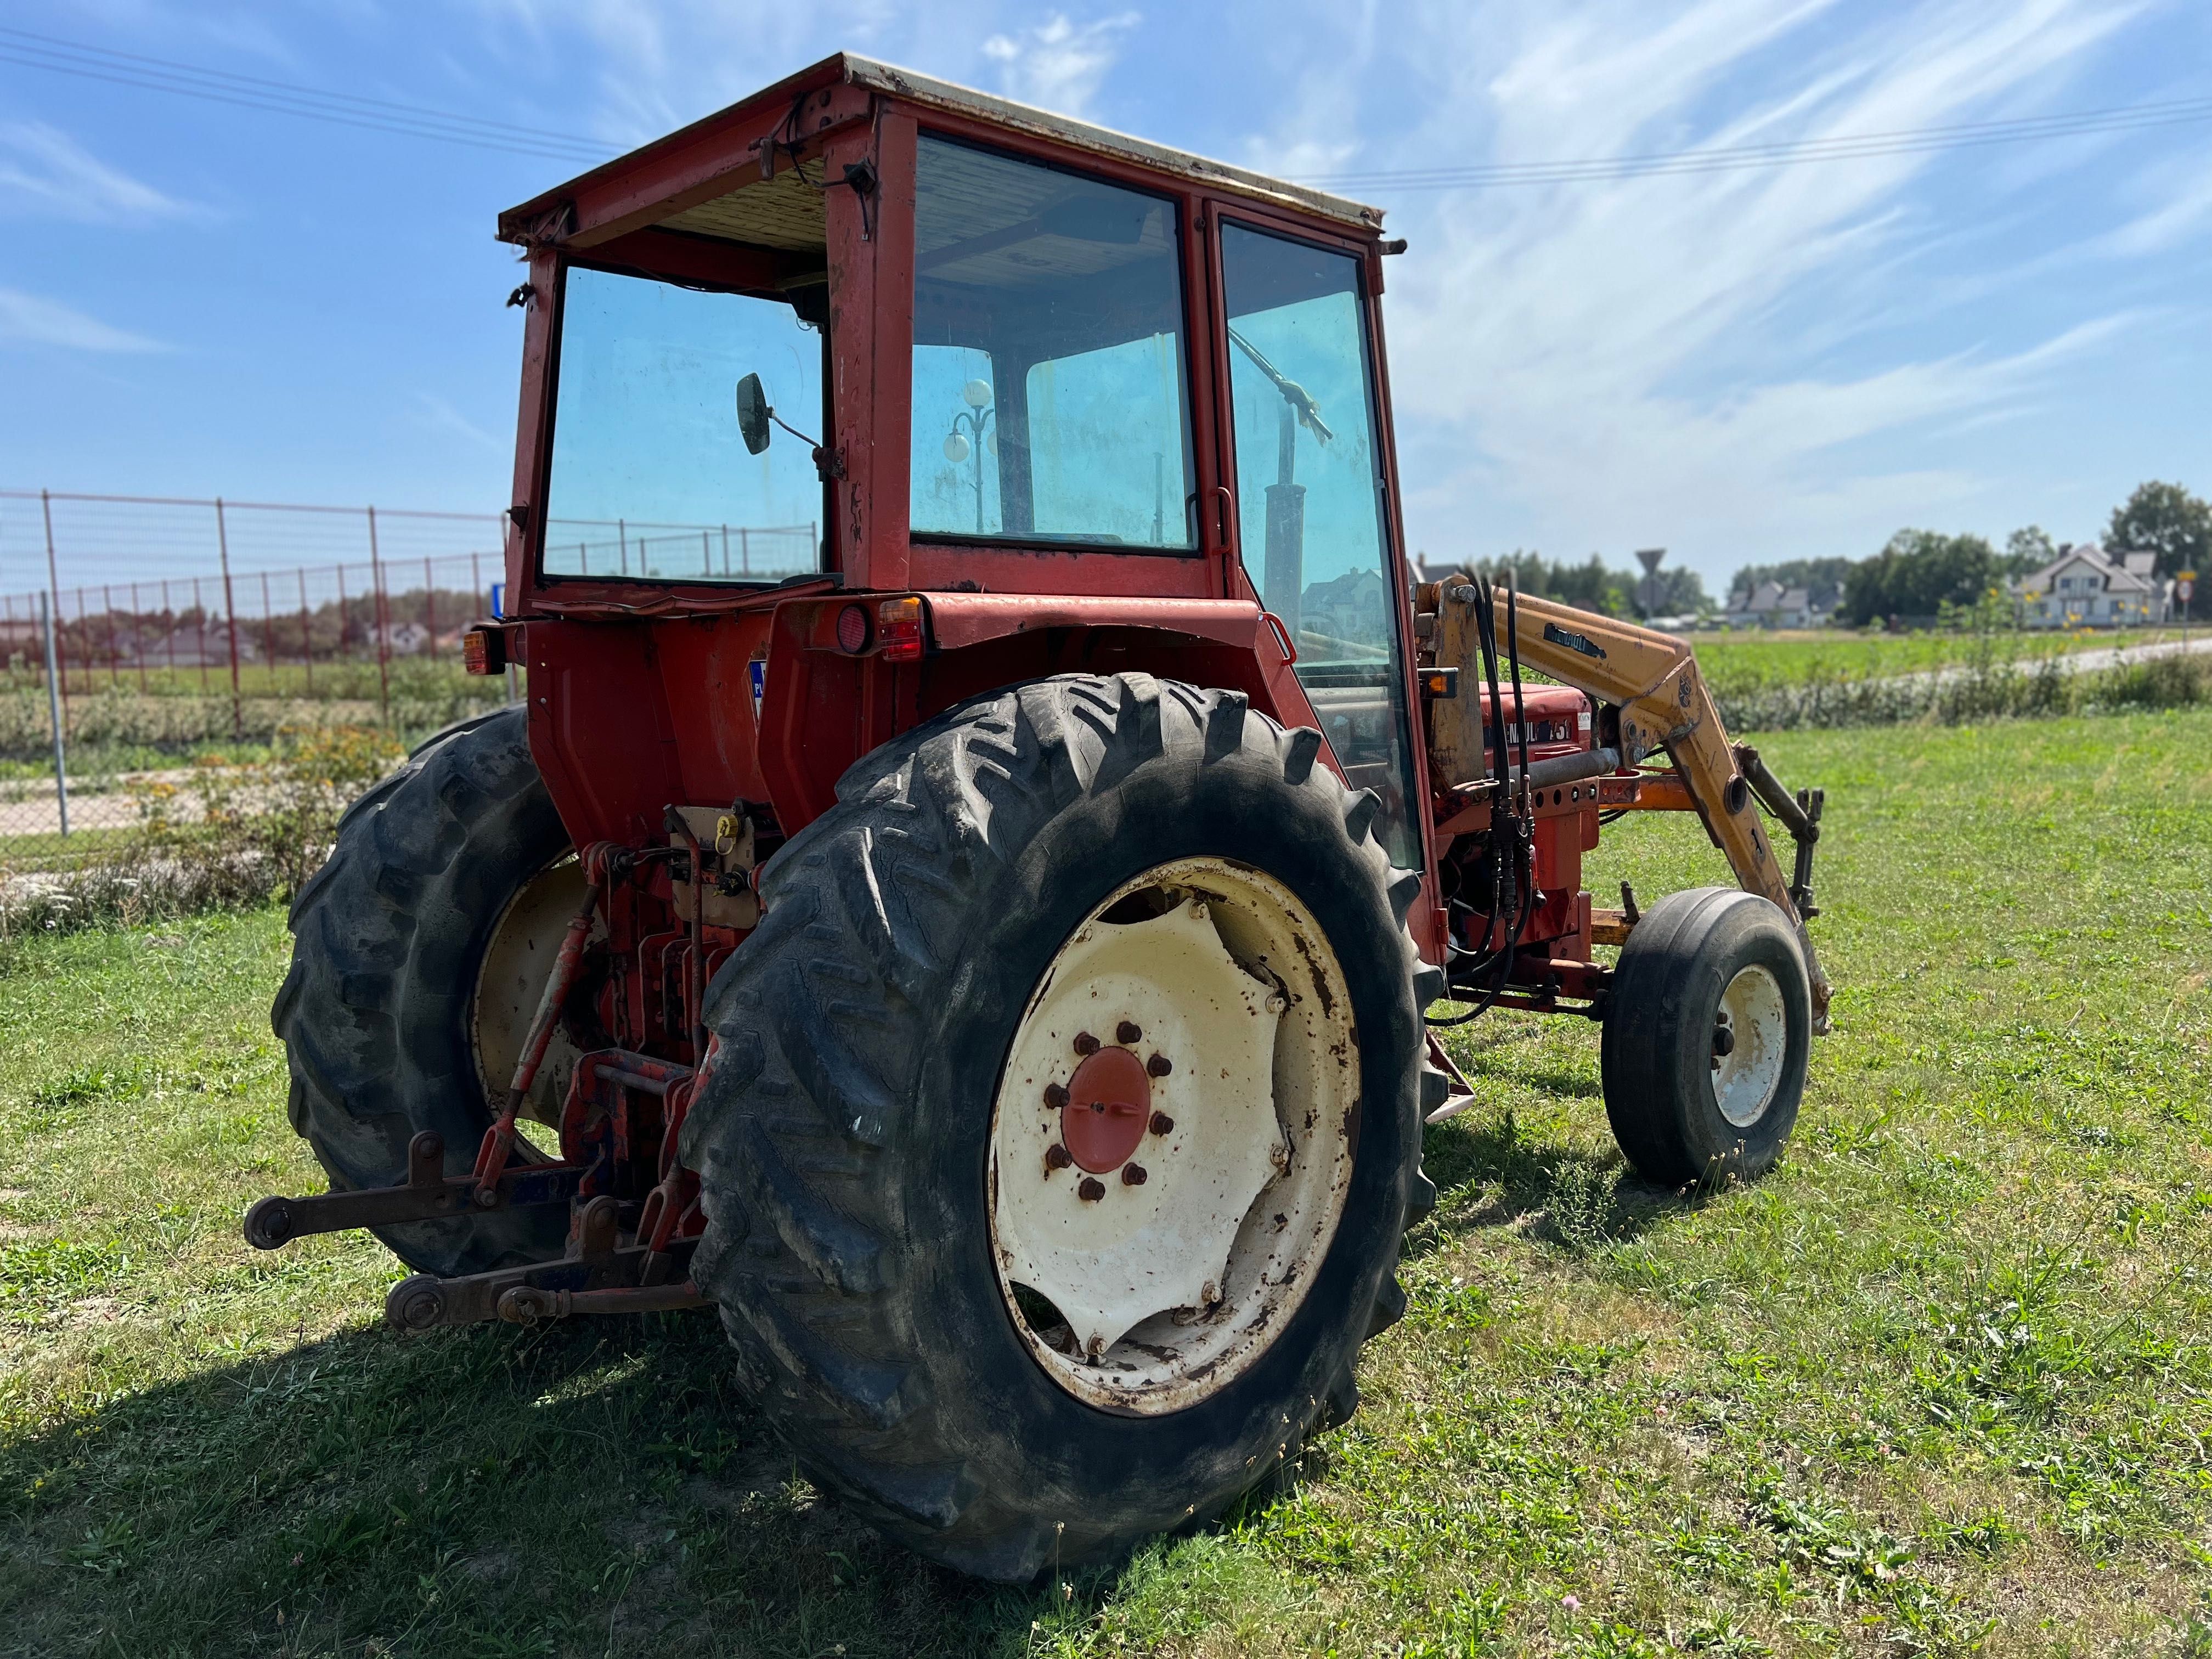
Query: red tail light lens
point(852, 629)
point(898, 623)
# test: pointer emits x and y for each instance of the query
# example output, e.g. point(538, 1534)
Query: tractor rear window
point(1050, 402)
point(650, 477)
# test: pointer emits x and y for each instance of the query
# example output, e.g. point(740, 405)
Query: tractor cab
point(870, 334)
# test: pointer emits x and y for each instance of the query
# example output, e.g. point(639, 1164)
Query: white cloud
point(1060, 65)
point(27, 319)
point(1721, 361)
point(439, 415)
point(44, 170)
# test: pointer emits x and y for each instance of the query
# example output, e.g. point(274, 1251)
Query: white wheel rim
point(1746, 1078)
point(518, 961)
point(1149, 1293)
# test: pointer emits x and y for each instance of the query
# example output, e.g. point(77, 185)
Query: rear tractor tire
point(419, 951)
point(1063, 1119)
point(1707, 1032)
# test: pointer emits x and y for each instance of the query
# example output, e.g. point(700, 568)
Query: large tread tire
point(1655, 1054)
point(387, 939)
point(842, 1134)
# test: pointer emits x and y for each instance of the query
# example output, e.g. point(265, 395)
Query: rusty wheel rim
point(1173, 1136)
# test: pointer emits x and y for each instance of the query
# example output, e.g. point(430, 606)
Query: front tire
point(1707, 1032)
point(851, 1161)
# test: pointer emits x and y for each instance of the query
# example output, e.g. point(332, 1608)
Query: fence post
point(139, 637)
point(230, 622)
point(430, 609)
point(381, 622)
point(54, 711)
point(269, 633)
point(621, 542)
point(114, 657)
point(307, 633)
point(54, 587)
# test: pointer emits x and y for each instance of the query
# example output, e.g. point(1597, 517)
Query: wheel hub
point(1109, 1107)
point(1163, 1194)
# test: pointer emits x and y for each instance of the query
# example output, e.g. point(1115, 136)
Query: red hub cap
point(1109, 1103)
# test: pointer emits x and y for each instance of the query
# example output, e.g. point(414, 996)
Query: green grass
point(1941, 1384)
point(1763, 658)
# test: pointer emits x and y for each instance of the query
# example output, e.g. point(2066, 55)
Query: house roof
point(2133, 574)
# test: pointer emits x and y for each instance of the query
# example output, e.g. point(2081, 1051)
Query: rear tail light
point(852, 629)
point(898, 625)
point(484, 650)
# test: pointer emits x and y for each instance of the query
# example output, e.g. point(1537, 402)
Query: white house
point(1771, 604)
point(2082, 587)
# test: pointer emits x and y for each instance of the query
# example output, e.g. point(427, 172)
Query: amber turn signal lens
point(899, 623)
point(484, 651)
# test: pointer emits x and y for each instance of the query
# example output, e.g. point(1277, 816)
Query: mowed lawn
point(1940, 1384)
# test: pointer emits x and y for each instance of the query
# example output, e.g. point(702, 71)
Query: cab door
point(1308, 469)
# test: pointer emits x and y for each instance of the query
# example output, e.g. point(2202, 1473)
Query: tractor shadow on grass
point(1491, 1174)
point(598, 1484)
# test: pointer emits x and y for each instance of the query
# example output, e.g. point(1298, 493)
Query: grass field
point(1939, 1385)
point(1833, 653)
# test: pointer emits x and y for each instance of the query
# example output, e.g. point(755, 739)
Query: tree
point(2165, 519)
point(2028, 549)
point(1919, 573)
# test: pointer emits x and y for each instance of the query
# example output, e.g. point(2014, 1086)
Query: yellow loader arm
point(1652, 678)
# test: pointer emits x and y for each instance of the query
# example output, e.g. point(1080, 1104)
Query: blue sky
point(1755, 364)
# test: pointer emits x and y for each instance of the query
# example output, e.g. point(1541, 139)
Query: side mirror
point(752, 414)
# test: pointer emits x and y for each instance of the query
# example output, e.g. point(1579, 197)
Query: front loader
point(990, 816)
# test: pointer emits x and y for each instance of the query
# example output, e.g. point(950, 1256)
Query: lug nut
point(1132, 1175)
point(1091, 1190)
point(1159, 1065)
point(1055, 1096)
point(1057, 1156)
point(1163, 1124)
point(1128, 1032)
point(1085, 1044)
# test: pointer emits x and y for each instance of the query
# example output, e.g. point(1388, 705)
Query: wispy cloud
point(439, 415)
point(44, 171)
point(28, 319)
point(1707, 357)
point(1059, 64)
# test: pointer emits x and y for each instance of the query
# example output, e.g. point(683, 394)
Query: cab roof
point(850, 69)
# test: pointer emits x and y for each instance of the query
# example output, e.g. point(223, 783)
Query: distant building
point(2085, 587)
point(1770, 604)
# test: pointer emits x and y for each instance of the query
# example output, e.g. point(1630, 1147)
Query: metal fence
point(144, 636)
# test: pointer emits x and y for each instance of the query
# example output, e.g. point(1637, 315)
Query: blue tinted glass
point(1311, 506)
point(650, 476)
point(1049, 399)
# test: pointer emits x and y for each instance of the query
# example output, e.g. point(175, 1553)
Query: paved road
point(2080, 662)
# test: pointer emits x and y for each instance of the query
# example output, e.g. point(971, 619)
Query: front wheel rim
point(1756, 1023)
point(1173, 1138)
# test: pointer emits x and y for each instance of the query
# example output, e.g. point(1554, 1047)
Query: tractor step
point(427, 1194)
point(599, 1274)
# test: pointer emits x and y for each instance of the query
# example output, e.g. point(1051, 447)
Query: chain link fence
point(168, 659)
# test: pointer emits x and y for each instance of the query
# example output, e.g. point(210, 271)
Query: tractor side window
point(1310, 501)
point(651, 479)
point(1051, 399)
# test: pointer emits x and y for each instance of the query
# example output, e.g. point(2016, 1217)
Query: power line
point(1796, 153)
point(59, 56)
point(49, 52)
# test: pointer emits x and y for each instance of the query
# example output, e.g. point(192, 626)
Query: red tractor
point(989, 815)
